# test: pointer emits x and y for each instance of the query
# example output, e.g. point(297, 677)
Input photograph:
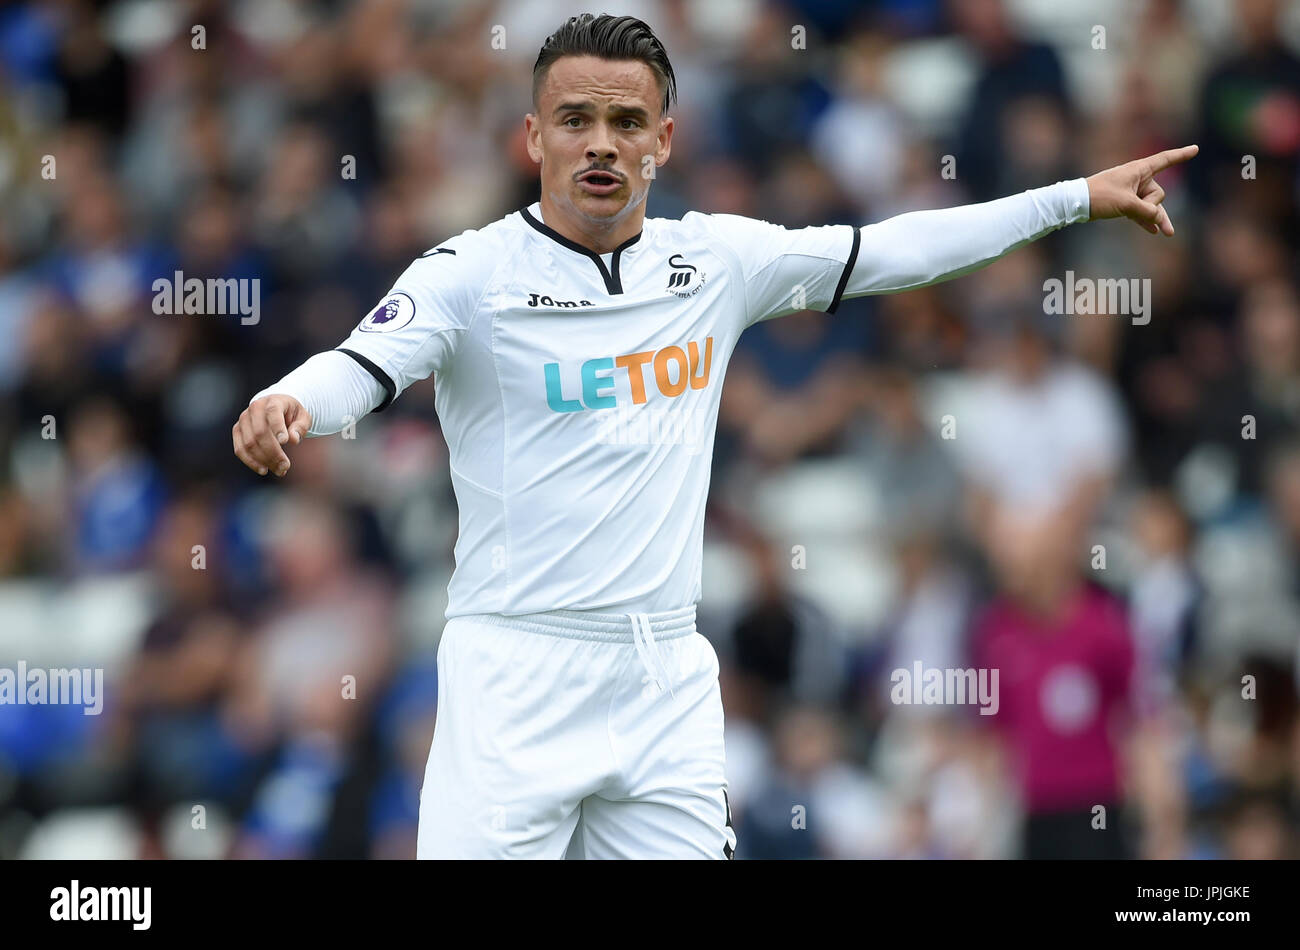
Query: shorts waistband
point(593, 625)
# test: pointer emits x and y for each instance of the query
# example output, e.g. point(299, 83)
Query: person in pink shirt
point(1065, 658)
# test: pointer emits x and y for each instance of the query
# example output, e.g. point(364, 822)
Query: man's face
point(598, 134)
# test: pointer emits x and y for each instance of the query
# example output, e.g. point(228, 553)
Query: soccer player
point(579, 350)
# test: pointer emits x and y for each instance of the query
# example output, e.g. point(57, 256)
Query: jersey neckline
point(611, 276)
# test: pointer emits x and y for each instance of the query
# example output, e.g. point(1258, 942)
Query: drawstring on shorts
point(648, 650)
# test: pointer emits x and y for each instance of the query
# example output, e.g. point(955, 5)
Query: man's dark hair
point(608, 37)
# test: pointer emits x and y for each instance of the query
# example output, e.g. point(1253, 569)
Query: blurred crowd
point(1103, 508)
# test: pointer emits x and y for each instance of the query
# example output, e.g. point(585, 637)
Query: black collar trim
point(613, 282)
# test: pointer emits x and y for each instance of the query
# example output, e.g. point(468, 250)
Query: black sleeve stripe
point(390, 388)
point(848, 269)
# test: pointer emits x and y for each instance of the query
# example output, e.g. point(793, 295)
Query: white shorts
point(572, 733)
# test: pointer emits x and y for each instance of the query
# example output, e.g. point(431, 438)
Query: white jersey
point(579, 393)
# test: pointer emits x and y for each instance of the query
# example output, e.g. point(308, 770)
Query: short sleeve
point(415, 329)
point(786, 270)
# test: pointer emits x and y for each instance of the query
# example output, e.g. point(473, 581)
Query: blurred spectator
point(117, 491)
point(1250, 106)
point(1164, 598)
point(1258, 408)
point(1257, 829)
point(1065, 659)
point(783, 648)
point(814, 805)
point(792, 385)
point(92, 75)
point(862, 139)
point(1165, 595)
point(906, 461)
point(1039, 444)
point(773, 99)
point(172, 694)
point(407, 718)
point(927, 623)
point(1015, 121)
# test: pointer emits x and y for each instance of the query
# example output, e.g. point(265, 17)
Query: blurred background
point(949, 476)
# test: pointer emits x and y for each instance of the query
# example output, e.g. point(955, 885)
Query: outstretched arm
point(925, 247)
point(406, 338)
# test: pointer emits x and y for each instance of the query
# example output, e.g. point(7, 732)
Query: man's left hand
point(1130, 190)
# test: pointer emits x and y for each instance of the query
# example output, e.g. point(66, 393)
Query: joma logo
point(536, 300)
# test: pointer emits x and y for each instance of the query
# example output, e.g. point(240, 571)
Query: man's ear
point(664, 146)
point(533, 136)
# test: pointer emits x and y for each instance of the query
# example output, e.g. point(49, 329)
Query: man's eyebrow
point(634, 111)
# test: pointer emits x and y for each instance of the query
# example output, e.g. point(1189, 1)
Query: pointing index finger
point(1170, 156)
